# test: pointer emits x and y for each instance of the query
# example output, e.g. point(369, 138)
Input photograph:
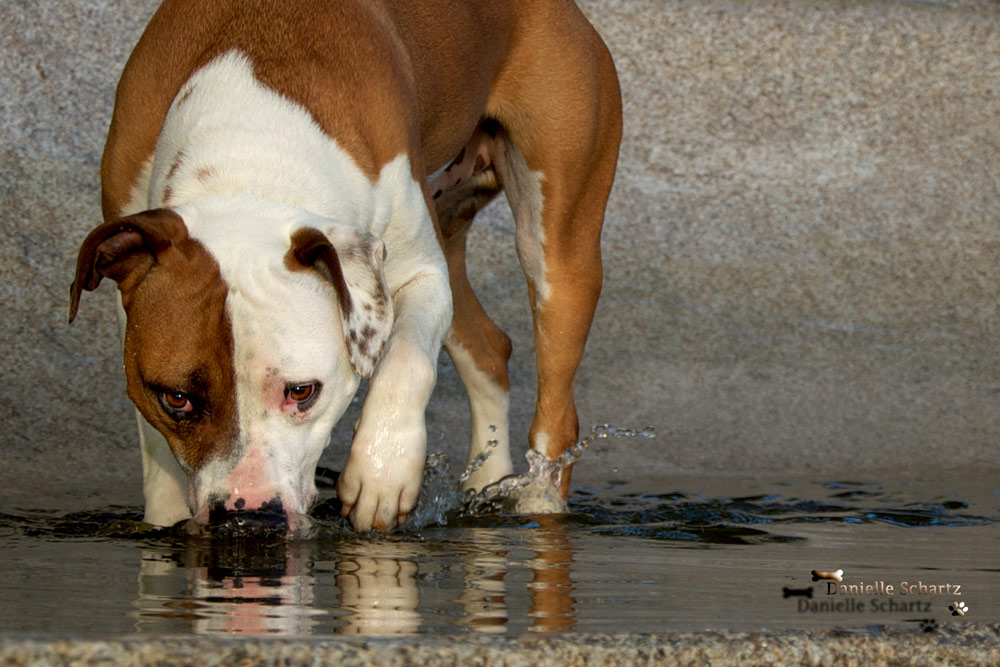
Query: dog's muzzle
point(268, 520)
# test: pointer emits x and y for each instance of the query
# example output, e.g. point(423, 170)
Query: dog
point(286, 192)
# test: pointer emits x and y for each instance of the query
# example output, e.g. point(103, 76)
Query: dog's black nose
point(269, 519)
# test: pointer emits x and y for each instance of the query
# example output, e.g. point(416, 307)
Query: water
point(533, 492)
point(697, 554)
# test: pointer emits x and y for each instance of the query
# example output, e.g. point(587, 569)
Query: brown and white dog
point(285, 214)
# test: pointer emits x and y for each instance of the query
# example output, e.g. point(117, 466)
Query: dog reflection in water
point(375, 588)
point(246, 587)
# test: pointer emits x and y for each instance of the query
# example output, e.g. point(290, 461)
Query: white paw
point(379, 491)
point(538, 499)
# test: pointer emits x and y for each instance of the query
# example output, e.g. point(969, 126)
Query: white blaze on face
point(245, 167)
point(287, 336)
point(286, 333)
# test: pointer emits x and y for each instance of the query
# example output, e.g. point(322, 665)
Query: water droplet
point(534, 491)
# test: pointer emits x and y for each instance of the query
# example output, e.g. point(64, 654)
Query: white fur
point(382, 477)
point(489, 405)
point(164, 484)
point(523, 188)
point(286, 330)
point(541, 443)
point(245, 167)
point(139, 195)
point(246, 139)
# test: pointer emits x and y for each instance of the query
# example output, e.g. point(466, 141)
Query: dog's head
point(245, 341)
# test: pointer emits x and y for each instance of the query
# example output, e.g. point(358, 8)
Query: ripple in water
point(672, 517)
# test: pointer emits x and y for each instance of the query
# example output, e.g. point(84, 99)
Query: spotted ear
point(123, 250)
point(354, 264)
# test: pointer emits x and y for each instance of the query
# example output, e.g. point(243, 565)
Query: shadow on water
point(619, 560)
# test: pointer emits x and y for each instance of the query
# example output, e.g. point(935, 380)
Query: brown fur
point(376, 90)
point(177, 330)
point(390, 76)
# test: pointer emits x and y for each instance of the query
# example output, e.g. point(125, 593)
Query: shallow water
point(703, 554)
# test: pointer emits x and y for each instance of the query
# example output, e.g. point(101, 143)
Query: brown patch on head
point(204, 174)
point(184, 97)
point(352, 262)
point(168, 189)
point(175, 166)
point(340, 60)
point(178, 338)
point(311, 249)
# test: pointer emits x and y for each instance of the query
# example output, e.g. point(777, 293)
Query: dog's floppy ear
point(354, 263)
point(123, 250)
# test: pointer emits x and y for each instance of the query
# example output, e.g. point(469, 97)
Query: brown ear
point(311, 248)
point(353, 263)
point(123, 250)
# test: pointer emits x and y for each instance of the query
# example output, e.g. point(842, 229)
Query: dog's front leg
point(164, 484)
point(381, 481)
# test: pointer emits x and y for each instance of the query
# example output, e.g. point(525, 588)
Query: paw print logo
point(958, 608)
point(928, 624)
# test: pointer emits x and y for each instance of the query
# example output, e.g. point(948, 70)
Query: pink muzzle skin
point(249, 503)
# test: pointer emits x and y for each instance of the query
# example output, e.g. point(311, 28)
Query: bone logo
point(836, 575)
point(797, 592)
point(958, 608)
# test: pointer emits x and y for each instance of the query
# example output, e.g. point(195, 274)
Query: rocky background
point(802, 249)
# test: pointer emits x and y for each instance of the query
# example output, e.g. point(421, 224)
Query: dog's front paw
point(379, 491)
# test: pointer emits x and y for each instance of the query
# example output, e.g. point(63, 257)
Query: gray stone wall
point(801, 249)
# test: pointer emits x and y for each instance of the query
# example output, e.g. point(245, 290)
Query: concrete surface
point(802, 257)
point(801, 249)
point(978, 645)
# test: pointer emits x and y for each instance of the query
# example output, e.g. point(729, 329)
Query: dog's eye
point(300, 392)
point(176, 404)
point(303, 394)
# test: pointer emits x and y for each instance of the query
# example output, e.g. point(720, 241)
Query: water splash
point(537, 490)
point(534, 492)
point(601, 432)
point(440, 494)
point(480, 459)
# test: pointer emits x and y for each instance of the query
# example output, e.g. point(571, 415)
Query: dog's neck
point(226, 135)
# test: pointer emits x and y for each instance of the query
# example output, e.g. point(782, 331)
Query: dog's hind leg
point(476, 345)
point(560, 114)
